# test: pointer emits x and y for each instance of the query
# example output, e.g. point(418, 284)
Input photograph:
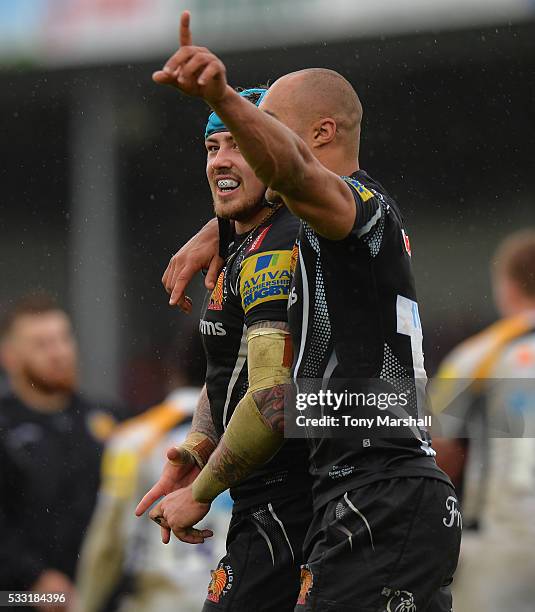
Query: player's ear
point(323, 131)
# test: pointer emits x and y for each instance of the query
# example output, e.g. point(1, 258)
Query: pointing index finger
point(185, 32)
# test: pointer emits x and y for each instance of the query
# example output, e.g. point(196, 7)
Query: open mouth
point(227, 185)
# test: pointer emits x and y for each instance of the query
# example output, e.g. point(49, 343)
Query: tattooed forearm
point(202, 419)
point(255, 431)
point(270, 403)
point(202, 438)
point(228, 467)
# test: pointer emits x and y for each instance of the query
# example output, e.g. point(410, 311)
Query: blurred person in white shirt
point(490, 380)
point(124, 566)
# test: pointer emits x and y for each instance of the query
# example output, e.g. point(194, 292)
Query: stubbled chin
point(224, 209)
point(229, 205)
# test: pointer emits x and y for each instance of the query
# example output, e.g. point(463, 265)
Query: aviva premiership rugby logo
point(364, 194)
point(265, 261)
point(221, 582)
point(265, 277)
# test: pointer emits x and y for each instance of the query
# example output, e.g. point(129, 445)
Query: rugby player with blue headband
point(214, 125)
point(247, 375)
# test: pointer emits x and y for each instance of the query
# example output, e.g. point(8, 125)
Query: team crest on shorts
point(399, 601)
point(307, 580)
point(220, 583)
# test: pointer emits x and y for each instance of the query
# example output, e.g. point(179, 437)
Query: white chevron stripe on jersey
point(371, 223)
point(305, 306)
point(240, 362)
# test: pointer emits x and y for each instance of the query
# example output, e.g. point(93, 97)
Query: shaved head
point(302, 99)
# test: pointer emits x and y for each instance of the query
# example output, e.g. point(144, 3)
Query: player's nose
point(222, 159)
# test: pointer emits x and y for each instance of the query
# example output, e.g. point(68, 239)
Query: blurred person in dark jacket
point(50, 449)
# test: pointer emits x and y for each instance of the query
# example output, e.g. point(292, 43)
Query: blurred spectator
point(50, 449)
point(123, 558)
point(163, 365)
point(490, 382)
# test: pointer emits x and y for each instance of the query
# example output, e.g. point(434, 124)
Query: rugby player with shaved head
point(382, 536)
point(249, 355)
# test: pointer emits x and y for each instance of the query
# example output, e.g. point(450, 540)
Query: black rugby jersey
point(353, 317)
point(253, 286)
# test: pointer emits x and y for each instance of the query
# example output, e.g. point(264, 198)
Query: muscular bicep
point(323, 200)
point(336, 207)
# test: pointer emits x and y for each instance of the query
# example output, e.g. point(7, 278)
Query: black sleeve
point(370, 211)
point(20, 566)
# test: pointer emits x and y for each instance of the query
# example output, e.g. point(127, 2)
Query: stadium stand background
point(103, 171)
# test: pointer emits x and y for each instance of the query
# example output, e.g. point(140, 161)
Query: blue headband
point(215, 124)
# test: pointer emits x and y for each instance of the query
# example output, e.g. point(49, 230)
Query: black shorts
point(261, 570)
point(391, 546)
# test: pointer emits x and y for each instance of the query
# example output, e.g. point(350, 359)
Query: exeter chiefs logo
point(216, 299)
point(306, 585)
point(221, 582)
point(401, 601)
point(293, 258)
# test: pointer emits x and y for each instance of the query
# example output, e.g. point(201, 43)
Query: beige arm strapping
point(250, 440)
